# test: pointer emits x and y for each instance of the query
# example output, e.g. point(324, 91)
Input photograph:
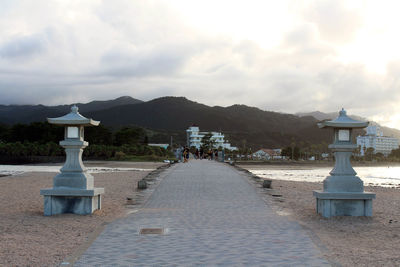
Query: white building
point(268, 154)
point(194, 137)
point(376, 140)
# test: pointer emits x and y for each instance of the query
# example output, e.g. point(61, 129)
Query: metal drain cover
point(151, 231)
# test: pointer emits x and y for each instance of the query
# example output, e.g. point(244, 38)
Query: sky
point(286, 56)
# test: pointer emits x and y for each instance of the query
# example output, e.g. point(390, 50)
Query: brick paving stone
point(211, 216)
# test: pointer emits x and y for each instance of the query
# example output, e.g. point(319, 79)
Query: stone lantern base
point(344, 203)
point(69, 200)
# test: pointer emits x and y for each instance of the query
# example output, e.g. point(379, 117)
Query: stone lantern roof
point(73, 118)
point(343, 121)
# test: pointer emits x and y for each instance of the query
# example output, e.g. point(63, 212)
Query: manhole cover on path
point(151, 231)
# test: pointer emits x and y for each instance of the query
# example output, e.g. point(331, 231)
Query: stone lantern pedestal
point(343, 192)
point(73, 189)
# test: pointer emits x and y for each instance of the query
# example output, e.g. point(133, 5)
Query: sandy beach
point(30, 239)
point(347, 241)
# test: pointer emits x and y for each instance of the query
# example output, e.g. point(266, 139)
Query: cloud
point(76, 52)
point(335, 21)
point(156, 61)
point(21, 47)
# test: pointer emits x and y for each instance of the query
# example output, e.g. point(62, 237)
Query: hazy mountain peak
point(332, 115)
point(327, 116)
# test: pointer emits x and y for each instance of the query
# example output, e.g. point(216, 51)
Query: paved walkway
point(211, 216)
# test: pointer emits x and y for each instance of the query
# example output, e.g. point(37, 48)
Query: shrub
point(119, 155)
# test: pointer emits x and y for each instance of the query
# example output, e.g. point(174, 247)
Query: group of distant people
point(199, 154)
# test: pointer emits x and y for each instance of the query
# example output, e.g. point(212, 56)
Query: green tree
point(4, 132)
point(291, 153)
point(99, 135)
point(41, 132)
point(207, 142)
point(379, 156)
point(129, 136)
point(369, 153)
point(395, 153)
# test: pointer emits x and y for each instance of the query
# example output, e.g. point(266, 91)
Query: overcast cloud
point(288, 57)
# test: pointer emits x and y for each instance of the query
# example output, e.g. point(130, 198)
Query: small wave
point(376, 176)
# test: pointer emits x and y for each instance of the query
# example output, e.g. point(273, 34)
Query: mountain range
point(171, 116)
point(11, 114)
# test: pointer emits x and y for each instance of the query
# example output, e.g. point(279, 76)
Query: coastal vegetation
point(395, 154)
point(38, 142)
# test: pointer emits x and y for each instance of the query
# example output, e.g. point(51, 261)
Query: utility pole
point(293, 144)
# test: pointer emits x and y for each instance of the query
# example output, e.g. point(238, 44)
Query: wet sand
point(30, 239)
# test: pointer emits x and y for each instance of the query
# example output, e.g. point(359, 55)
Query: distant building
point(194, 137)
point(376, 140)
point(268, 154)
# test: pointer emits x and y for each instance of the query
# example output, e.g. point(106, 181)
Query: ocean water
point(375, 176)
point(18, 169)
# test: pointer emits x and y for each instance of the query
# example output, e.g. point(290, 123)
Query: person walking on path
point(210, 154)
point(203, 213)
point(184, 155)
point(187, 154)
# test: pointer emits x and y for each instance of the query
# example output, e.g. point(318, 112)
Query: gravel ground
point(347, 241)
point(30, 239)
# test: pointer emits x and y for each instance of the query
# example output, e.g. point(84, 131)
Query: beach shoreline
point(322, 163)
point(385, 176)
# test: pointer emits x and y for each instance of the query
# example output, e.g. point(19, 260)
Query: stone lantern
point(73, 190)
point(343, 193)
